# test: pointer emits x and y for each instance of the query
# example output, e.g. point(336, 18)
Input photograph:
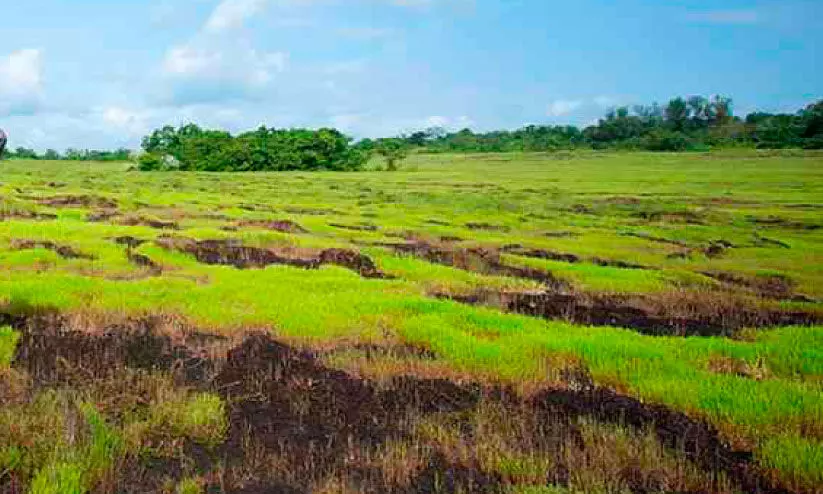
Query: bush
point(665, 140)
point(190, 148)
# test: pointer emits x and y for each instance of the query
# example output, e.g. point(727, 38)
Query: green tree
point(393, 151)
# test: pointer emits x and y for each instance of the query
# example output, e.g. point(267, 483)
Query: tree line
point(682, 124)
point(70, 154)
point(190, 148)
point(693, 123)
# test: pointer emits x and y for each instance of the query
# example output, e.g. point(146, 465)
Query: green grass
point(200, 417)
point(589, 206)
point(8, 345)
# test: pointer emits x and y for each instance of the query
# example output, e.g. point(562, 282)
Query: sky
point(102, 73)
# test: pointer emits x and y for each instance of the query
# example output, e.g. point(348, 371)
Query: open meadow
point(520, 323)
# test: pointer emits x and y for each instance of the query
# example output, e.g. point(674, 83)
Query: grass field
point(503, 323)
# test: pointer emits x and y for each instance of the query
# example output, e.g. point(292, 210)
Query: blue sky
point(102, 73)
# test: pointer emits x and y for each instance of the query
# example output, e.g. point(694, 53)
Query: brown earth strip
point(102, 215)
point(540, 254)
point(234, 253)
point(150, 222)
point(487, 227)
point(438, 222)
point(129, 241)
point(519, 250)
point(79, 201)
point(777, 287)
point(312, 211)
point(675, 217)
point(478, 260)
point(653, 238)
point(786, 223)
point(285, 226)
point(63, 251)
point(355, 228)
point(760, 241)
point(144, 261)
point(700, 315)
point(21, 214)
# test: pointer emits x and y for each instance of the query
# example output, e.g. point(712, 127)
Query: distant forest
point(70, 154)
point(694, 123)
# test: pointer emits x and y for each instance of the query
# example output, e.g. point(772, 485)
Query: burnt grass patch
point(646, 314)
point(129, 242)
point(102, 215)
point(155, 223)
point(487, 227)
point(23, 214)
point(144, 261)
point(294, 423)
point(79, 201)
point(475, 259)
point(356, 228)
point(234, 253)
point(776, 221)
point(519, 250)
point(285, 226)
point(774, 286)
point(63, 251)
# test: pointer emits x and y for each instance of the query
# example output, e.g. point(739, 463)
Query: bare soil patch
point(519, 250)
point(63, 251)
point(156, 223)
point(79, 201)
point(487, 227)
point(676, 217)
point(776, 221)
point(662, 315)
point(479, 260)
point(102, 215)
point(129, 241)
point(234, 253)
point(355, 228)
point(777, 287)
point(22, 214)
point(285, 226)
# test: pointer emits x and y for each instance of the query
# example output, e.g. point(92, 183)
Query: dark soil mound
point(63, 251)
point(634, 313)
point(477, 260)
point(356, 228)
point(352, 260)
point(285, 226)
point(234, 253)
point(129, 242)
point(150, 222)
point(79, 201)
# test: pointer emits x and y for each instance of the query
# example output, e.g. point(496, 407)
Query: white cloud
point(725, 16)
point(213, 69)
point(21, 82)
point(605, 101)
point(133, 122)
point(217, 64)
point(460, 122)
point(231, 14)
point(562, 108)
point(187, 60)
point(436, 121)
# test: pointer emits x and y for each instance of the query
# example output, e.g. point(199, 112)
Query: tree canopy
point(190, 148)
